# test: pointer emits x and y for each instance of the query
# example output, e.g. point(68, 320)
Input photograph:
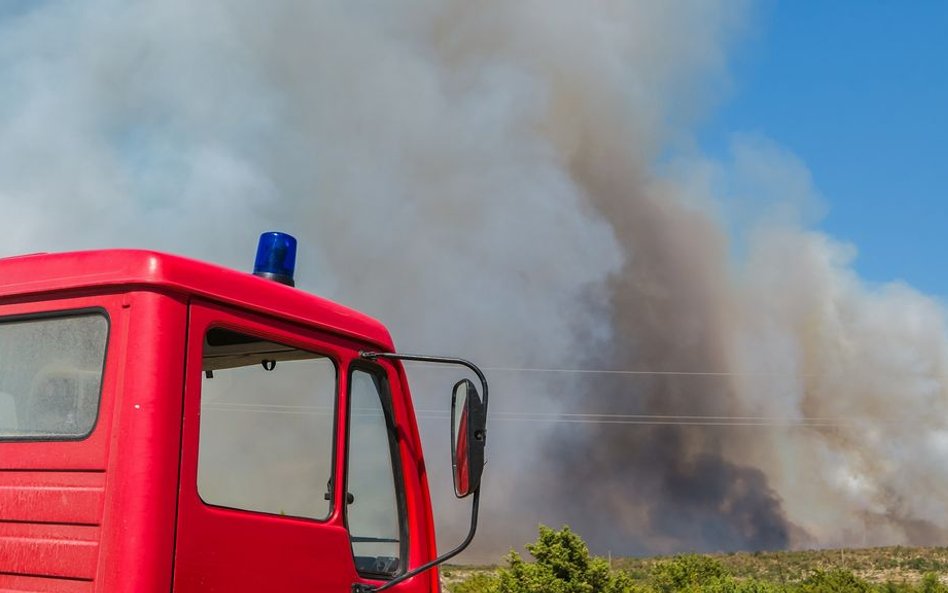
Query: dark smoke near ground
point(516, 183)
point(668, 305)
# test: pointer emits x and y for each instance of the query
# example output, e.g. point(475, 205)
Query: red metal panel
point(51, 497)
point(418, 497)
point(139, 521)
point(65, 551)
point(18, 584)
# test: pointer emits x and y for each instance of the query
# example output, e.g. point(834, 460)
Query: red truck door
point(267, 422)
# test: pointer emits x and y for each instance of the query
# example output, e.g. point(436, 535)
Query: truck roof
point(122, 269)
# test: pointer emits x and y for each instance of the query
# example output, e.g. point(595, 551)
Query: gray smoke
point(493, 180)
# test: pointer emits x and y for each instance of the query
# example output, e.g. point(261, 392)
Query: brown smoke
point(675, 485)
point(513, 182)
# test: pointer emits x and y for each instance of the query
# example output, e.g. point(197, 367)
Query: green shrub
point(701, 574)
point(683, 573)
point(835, 581)
point(931, 584)
point(891, 587)
point(562, 565)
point(480, 582)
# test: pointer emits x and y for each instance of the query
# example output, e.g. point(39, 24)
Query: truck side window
point(373, 513)
point(267, 421)
point(51, 376)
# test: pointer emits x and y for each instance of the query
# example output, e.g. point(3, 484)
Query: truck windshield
point(51, 376)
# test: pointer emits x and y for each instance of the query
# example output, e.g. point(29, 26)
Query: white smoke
point(483, 178)
point(871, 358)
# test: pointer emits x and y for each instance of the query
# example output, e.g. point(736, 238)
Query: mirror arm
point(435, 360)
point(475, 502)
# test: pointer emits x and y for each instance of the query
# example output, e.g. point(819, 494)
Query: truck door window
point(373, 513)
point(51, 376)
point(266, 431)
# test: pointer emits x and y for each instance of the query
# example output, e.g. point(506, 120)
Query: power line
point(660, 423)
point(501, 369)
point(556, 418)
point(646, 419)
point(628, 372)
point(643, 416)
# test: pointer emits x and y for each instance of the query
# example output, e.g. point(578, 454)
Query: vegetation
point(561, 563)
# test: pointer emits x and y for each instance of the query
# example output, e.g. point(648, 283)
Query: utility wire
point(556, 418)
point(639, 416)
point(656, 420)
point(631, 372)
point(435, 412)
point(501, 369)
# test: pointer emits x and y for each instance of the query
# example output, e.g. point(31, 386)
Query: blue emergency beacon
point(276, 257)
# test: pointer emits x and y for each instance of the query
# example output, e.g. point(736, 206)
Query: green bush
point(834, 581)
point(562, 565)
point(682, 573)
point(700, 574)
point(891, 587)
point(478, 583)
point(931, 584)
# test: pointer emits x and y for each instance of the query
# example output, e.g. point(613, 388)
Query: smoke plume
point(513, 182)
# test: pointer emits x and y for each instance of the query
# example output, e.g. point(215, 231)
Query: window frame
point(382, 382)
point(66, 314)
point(286, 339)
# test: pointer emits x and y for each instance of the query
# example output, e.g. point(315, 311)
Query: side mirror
point(468, 432)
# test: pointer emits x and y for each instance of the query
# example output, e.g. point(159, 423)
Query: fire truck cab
point(172, 425)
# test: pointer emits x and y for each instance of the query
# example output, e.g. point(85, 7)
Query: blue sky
point(858, 90)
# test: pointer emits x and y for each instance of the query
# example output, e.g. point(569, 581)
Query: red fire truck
point(171, 425)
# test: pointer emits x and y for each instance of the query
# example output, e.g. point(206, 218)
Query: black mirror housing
point(468, 437)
